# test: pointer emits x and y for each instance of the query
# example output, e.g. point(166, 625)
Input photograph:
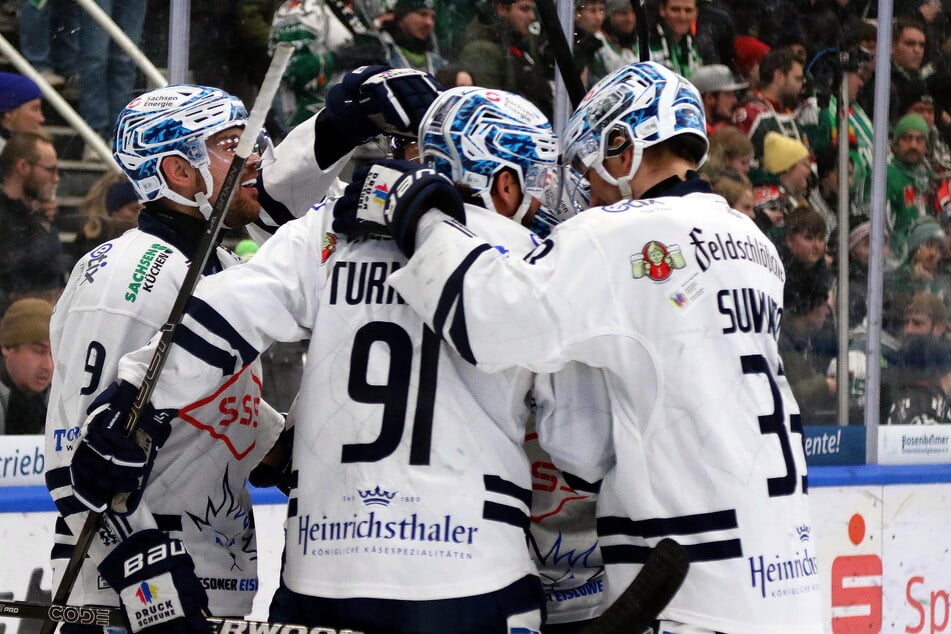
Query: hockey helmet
point(470, 134)
point(645, 102)
point(172, 121)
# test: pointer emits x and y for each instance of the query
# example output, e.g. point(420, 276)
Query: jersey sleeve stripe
point(207, 316)
point(495, 512)
point(452, 295)
point(188, 340)
point(666, 526)
point(276, 212)
point(496, 484)
point(58, 477)
point(706, 551)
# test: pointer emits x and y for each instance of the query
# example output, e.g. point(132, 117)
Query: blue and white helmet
point(644, 100)
point(172, 121)
point(470, 134)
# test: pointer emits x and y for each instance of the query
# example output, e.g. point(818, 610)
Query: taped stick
point(652, 589)
point(548, 16)
point(262, 104)
point(112, 617)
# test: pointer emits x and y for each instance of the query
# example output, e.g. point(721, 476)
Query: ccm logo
point(80, 615)
point(244, 414)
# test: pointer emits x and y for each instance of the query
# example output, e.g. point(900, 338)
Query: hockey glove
point(396, 100)
point(155, 578)
point(106, 463)
point(276, 469)
point(393, 194)
point(372, 100)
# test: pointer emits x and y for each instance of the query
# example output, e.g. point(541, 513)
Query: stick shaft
point(262, 104)
point(548, 17)
point(648, 594)
point(107, 616)
point(643, 30)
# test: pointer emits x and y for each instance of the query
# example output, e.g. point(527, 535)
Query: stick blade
point(650, 592)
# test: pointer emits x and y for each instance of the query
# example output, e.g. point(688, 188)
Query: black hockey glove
point(276, 469)
point(106, 463)
point(394, 194)
point(373, 100)
point(155, 578)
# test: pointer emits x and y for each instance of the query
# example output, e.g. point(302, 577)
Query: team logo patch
point(327, 246)
point(656, 261)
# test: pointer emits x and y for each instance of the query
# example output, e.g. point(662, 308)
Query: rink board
point(881, 536)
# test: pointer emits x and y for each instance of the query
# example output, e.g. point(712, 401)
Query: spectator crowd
point(769, 73)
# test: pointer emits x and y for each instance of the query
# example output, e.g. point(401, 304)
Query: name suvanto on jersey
point(404, 529)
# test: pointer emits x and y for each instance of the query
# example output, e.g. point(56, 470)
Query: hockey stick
point(351, 20)
point(548, 16)
point(255, 123)
point(643, 33)
point(650, 592)
point(105, 617)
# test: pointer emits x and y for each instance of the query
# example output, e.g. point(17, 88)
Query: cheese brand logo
point(656, 261)
point(328, 246)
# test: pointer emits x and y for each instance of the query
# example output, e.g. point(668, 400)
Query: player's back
point(707, 432)
point(412, 480)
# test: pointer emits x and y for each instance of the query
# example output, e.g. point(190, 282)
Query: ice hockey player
point(175, 144)
point(651, 285)
point(411, 490)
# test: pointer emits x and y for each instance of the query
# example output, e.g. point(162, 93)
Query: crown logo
point(376, 497)
point(804, 532)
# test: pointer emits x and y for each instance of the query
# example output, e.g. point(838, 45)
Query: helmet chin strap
point(624, 183)
point(201, 198)
point(523, 208)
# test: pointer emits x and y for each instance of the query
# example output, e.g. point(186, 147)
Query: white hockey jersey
point(678, 300)
point(412, 483)
point(117, 297)
point(563, 534)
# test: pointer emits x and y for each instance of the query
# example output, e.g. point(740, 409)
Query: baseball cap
point(715, 78)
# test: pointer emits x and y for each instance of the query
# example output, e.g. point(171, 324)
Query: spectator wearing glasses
point(33, 263)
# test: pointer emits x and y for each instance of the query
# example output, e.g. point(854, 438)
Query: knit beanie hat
point(119, 195)
point(26, 321)
point(782, 152)
point(910, 122)
point(748, 51)
point(16, 90)
point(922, 231)
point(613, 6)
point(859, 233)
point(402, 7)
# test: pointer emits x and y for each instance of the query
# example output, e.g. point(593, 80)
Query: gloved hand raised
point(107, 463)
point(373, 100)
point(390, 195)
point(155, 578)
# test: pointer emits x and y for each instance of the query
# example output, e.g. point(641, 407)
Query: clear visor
point(262, 150)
